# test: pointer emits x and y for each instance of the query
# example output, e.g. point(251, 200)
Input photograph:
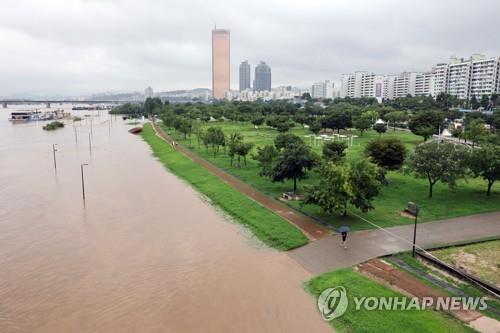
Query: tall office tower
point(220, 63)
point(262, 80)
point(244, 75)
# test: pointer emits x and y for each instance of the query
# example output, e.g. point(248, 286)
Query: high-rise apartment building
point(262, 81)
point(322, 89)
point(244, 76)
point(463, 78)
point(221, 73)
point(363, 84)
point(148, 92)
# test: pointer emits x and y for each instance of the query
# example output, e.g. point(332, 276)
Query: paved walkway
point(326, 255)
point(311, 229)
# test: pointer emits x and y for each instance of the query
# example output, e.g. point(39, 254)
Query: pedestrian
point(344, 237)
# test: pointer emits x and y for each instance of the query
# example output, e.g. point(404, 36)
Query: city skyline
point(118, 54)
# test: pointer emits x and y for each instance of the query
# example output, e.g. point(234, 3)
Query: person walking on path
point(343, 232)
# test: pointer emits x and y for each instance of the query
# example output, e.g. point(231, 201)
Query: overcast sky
point(77, 47)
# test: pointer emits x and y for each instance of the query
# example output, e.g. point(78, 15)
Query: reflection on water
point(146, 254)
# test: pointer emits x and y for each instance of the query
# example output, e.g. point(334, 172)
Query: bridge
point(6, 102)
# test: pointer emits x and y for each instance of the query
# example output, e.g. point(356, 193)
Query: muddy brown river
point(144, 254)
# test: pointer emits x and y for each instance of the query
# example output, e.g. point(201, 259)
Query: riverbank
point(264, 224)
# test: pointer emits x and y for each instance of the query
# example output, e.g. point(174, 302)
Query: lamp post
point(83, 180)
point(54, 149)
point(415, 213)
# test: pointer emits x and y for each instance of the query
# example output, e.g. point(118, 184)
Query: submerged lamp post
point(54, 149)
point(83, 181)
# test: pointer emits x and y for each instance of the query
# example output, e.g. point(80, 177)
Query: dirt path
point(312, 230)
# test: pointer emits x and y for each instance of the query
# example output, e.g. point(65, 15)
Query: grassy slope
point(468, 198)
point(483, 261)
point(379, 321)
point(467, 288)
point(267, 226)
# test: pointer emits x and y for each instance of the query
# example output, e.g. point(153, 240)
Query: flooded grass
point(264, 224)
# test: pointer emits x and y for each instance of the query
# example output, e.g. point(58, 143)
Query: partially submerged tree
point(444, 162)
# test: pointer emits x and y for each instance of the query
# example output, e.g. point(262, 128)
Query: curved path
point(311, 229)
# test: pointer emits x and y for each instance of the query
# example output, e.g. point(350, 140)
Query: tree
point(334, 151)
point(362, 123)
point(380, 128)
point(266, 157)
point(426, 123)
point(315, 127)
point(485, 101)
point(337, 120)
point(331, 192)
point(293, 163)
point(356, 183)
point(234, 140)
point(151, 104)
point(184, 126)
point(475, 131)
point(445, 162)
point(474, 103)
point(283, 140)
point(388, 154)
point(485, 162)
point(283, 126)
point(216, 138)
point(396, 117)
point(257, 120)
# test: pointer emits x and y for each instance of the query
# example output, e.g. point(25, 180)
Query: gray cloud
point(85, 46)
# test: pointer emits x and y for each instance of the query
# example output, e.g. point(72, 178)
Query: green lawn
point(465, 288)
point(379, 320)
point(481, 259)
point(469, 198)
point(264, 224)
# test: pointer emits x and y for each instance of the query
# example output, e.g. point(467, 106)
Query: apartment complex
point(463, 78)
point(220, 63)
point(322, 89)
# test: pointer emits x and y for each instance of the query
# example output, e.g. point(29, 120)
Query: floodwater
point(144, 254)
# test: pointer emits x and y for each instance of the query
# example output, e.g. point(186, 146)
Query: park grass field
point(468, 198)
point(381, 321)
point(481, 259)
point(263, 223)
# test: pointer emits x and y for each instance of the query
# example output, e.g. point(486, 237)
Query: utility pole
point(83, 180)
point(54, 149)
point(76, 135)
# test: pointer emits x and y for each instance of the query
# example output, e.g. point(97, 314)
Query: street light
point(90, 142)
point(414, 210)
point(83, 181)
point(54, 149)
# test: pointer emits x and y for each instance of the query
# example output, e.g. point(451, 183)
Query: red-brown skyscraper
point(220, 63)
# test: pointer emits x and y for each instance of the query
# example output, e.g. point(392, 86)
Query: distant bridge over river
point(48, 103)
